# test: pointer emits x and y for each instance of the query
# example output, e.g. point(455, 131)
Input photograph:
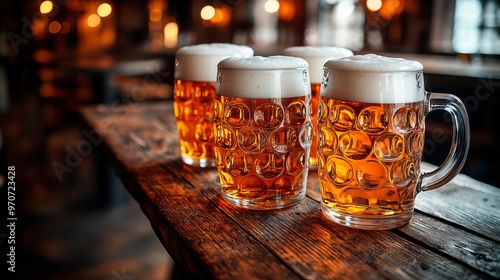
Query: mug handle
point(459, 143)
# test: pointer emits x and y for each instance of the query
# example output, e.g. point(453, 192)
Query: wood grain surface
point(454, 233)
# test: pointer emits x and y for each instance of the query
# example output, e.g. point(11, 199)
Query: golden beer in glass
point(371, 137)
point(316, 56)
point(263, 131)
point(194, 96)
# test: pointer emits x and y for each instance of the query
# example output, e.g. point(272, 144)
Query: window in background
point(466, 31)
point(466, 26)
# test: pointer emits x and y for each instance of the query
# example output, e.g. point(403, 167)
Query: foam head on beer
point(263, 77)
point(199, 62)
point(316, 56)
point(373, 79)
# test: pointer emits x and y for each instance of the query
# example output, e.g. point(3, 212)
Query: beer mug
point(194, 96)
point(263, 130)
point(316, 57)
point(371, 122)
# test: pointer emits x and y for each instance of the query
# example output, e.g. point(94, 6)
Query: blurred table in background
point(457, 65)
point(105, 68)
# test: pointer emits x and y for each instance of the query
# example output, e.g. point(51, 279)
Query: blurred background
point(58, 55)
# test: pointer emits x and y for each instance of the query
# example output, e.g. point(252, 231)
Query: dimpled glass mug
point(370, 140)
point(194, 95)
point(263, 130)
point(316, 56)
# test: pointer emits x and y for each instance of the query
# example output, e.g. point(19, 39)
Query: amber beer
point(263, 131)
point(371, 137)
point(372, 153)
point(316, 56)
point(194, 96)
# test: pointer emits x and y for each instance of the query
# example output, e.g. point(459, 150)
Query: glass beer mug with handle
point(316, 56)
point(263, 130)
point(371, 123)
point(194, 96)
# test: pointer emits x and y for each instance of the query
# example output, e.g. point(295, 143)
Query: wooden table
point(103, 68)
point(454, 233)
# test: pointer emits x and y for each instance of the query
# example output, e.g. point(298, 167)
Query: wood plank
point(473, 250)
point(199, 237)
point(134, 136)
point(459, 202)
point(134, 127)
point(469, 201)
point(475, 210)
point(177, 210)
point(331, 248)
point(463, 246)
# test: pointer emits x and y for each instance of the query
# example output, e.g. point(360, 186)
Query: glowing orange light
point(171, 32)
point(155, 15)
point(391, 8)
point(218, 17)
point(54, 27)
point(42, 56)
point(93, 20)
point(65, 27)
point(374, 5)
point(222, 17)
point(104, 10)
point(207, 13)
point(46, 7)
point(287, 10)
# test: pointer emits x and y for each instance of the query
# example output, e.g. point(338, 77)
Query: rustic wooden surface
point(454, 233)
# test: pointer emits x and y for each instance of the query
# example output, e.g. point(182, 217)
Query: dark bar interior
point(76, 221)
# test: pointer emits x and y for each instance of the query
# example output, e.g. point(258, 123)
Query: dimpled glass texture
point(369, 156)
point(193, 109)
point(262, 150)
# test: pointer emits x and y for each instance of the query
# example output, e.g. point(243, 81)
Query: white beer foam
point(374, 79)
point(316, 56)
point(199, 62)
point(263, 77)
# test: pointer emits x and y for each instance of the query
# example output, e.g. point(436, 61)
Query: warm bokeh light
point(207, 13)
point(373, 5)
point(391, 8)
point(54, 27)
point(287, 10)
point(222, 16)
point(93, 20)
point(272, 6)
point(155, 15)
point(104, 10)
point(65, 27)
point(158, 4)
point(39, 25)
point(46, 7)
point(171, 32)
point(43, 56)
